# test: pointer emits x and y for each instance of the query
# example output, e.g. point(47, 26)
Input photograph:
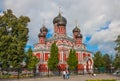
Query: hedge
point(102, 80)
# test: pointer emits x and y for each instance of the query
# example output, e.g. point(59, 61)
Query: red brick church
point(64, 43)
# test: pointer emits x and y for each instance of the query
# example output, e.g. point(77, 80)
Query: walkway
point(72, 78)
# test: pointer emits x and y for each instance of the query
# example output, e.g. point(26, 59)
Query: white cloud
point(91, 16)
point(105, 38)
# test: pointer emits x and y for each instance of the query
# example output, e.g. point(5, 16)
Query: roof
point(57, 38)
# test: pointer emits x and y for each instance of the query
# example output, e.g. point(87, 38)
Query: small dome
point(76, 29)
point(41, 35)
point(79, 36)
point(60, 19)
point(43, 29)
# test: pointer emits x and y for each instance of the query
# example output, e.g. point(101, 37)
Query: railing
point(13, 73)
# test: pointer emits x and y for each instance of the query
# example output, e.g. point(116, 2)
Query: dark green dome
point(61, 23)
point(43, 29)
point(79, 36)
point(60, 20)
point(76, 29)
point(41, 35)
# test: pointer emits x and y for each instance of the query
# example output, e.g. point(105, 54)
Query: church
point(64, 43)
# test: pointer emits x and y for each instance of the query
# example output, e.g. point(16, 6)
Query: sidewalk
point(72, 78)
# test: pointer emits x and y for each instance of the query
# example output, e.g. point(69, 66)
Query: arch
point(89, 65)
point(43, 68)
point(65, 42)
point(38, 55)
point(59, 42)
point(69, 43)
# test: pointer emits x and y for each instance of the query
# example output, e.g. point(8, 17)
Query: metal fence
point(13, 73)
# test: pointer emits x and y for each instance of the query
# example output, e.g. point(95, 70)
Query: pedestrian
point(64, 74)
point(67, 74)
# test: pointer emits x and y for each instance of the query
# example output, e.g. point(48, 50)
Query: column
point(43, 55)
point(85, 68)
point(62, 57)
point(78, 57)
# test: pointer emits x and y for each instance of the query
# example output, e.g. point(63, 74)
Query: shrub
point(102, 80)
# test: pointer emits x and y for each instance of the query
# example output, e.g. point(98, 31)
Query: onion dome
point(61, 23)
point(41, 35)
point(43, 29)
point(79, 36)
point(60, 19)
point(76, 29)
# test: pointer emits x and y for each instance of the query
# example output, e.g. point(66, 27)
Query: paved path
point(72, 78)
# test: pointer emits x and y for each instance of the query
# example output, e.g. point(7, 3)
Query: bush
point(102, 80)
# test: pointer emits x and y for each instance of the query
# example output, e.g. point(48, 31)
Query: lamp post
point(0, 69)
point(110, 68)
point(23, 64)
point(0, 65)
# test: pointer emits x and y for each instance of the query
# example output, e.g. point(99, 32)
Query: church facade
point(64, 43)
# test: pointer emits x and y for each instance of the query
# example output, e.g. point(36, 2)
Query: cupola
point(43, 29)
point(60, 20)
point(41, 35)
point(79, 36)
point(76, 29)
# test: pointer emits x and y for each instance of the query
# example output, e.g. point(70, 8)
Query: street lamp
point(23, 64)
point(0, 65)
point(19, 69)
point(110, 68)
point(0, 69)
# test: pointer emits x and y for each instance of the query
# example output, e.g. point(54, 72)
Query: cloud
point(105, 38)
point(91, 16)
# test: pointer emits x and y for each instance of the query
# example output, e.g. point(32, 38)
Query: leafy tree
point(13, 38)
point(117, 56)
point(72, 60)
point(53, 60)
point(31, 60)
point(98, 60)
point(107, 60)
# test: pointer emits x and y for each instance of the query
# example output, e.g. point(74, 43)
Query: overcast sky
point(99, 20)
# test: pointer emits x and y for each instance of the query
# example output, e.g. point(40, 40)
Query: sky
point(99, 20)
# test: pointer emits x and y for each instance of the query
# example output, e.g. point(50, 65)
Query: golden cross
point(76, 22)
point(44, 21)
point(60, 12)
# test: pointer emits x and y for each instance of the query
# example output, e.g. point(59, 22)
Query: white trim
point(85, 68)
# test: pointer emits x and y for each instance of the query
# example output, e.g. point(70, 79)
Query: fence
point(11, 73)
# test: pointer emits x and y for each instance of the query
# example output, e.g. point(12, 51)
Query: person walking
point(67, 74)
point(64, 74)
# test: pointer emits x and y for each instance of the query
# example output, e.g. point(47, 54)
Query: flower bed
point(15, 76)
point(102, 80)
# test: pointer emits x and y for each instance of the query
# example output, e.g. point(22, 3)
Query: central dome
point(60, 19)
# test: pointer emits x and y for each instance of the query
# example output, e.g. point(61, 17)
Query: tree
point(31, 60)
point(98, 60)
point(107, 61)
point(117, 56)
point(53, 60)
point(13, 38)
point(72, 60)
